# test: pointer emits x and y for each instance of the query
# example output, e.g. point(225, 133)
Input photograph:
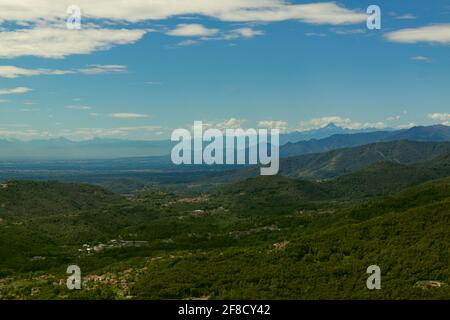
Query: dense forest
point(258, 238)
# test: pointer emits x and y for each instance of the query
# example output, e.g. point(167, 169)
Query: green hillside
point(434, 133)
point(380, 179)
point(441, 163)
point(261, 238)
point(276, 193)
point(30, 198)
point(270, 194)
point(335, 163)
point(409, 244)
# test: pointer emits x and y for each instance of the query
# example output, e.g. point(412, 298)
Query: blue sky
point(140, 71)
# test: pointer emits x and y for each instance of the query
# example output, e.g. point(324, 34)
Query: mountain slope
point(269, 194)
point(431, 133)
point(321, 133)
point(230, 247)
point(422, 133)
point(409, 244)
point(420, 195)
point(380, 179)
point(338, 162)
point(280, 194)
point(29, 198)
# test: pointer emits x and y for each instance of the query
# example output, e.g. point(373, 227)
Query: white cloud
point(315, 34)
point(324, 121)
point(192, 30)
point(421, 58)
point(128, 115)
point(101, 69)
point(406, 16)
point(273, 124)
point(406, 126)
point(212, 34)
point(186, 43)
point(43, 32)
point(12, 72)
point(243, 33)
point(140, 10)
point(78, 133)
point(58, 43)
point(439, 116)
point(339, 121)
point(78, 107)
point(231, 123)
point(344, 32)
point(20, 134)
point(17, 90)
point(115, 132)
point(314, 13)
point(437, 34)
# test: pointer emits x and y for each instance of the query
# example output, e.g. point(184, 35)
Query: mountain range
point(100, 148)
point(421, 133)
point(324, 139)
point(328, 165)
point(321, 133)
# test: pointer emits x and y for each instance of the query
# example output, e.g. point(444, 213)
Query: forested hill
point(437, 133)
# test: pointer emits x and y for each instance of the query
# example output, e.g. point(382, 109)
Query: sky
point(139, 69)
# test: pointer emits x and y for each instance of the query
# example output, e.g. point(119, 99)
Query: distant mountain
point(331, 143)
point(381, 179)
point(64, 149)
point(278, 194)
point(339, 162)
point(421, 133)
point(347, 160)
point(101, 148)
point(430, 133)
point(321, 133)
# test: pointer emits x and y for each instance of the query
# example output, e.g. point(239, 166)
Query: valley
point(238, 235)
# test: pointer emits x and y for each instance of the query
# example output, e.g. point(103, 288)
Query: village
point(112, 244)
